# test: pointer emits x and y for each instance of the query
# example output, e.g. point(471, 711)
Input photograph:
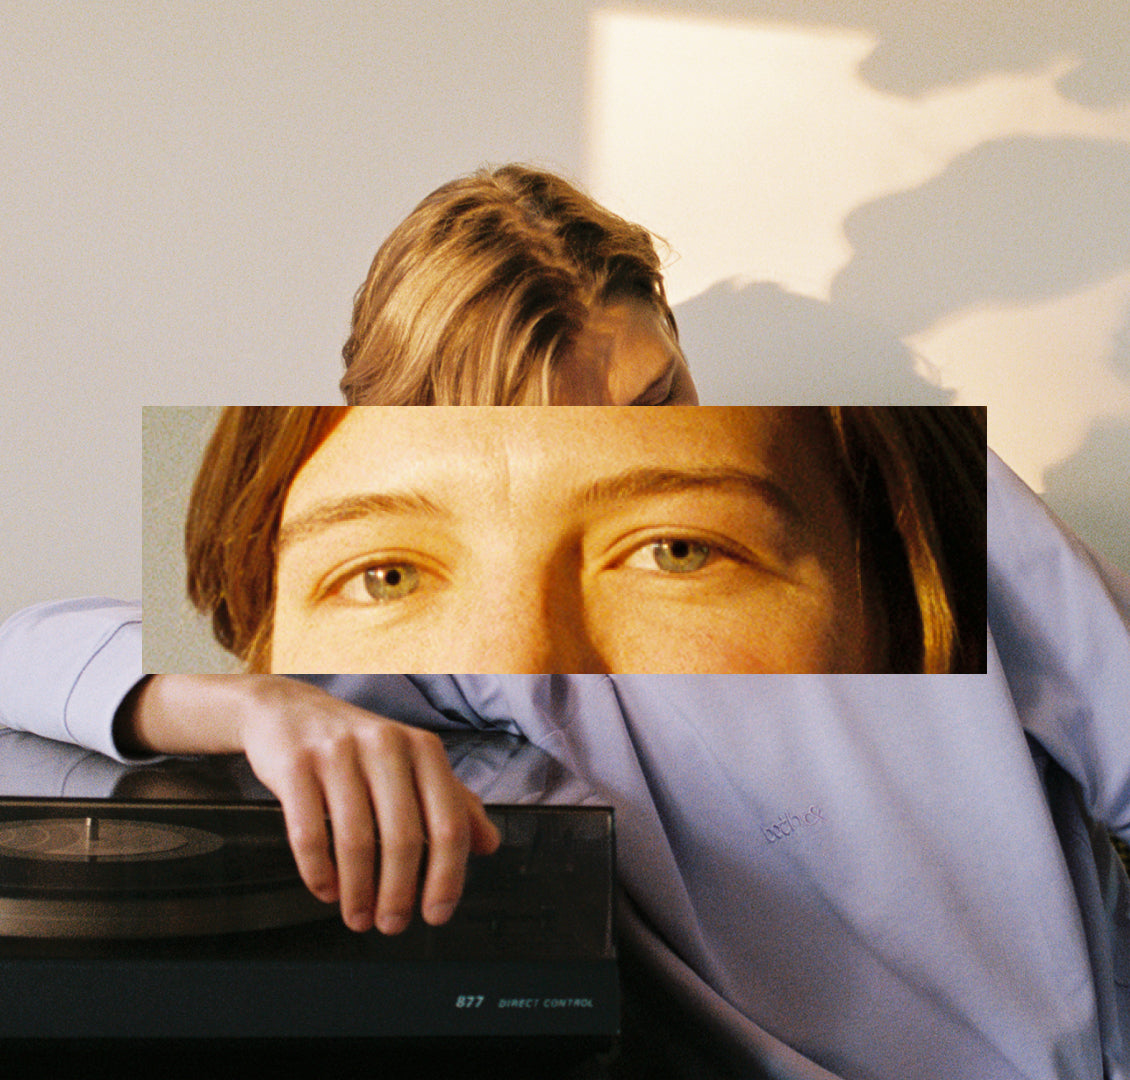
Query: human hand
point(376, 780)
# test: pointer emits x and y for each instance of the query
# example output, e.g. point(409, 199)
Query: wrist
point(181, 714)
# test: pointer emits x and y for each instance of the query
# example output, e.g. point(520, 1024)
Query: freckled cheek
point(677, 639)
point(361, 642)
point(757, 636)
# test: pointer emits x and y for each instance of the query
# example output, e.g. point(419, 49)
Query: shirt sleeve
point(1061, 621)
point(66, 666)
point(428, 701)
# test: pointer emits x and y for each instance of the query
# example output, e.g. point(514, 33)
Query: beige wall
point(880, 201)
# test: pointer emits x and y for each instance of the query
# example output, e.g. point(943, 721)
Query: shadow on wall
point(1091, 489)
point(1013, 220)
point(925, 46)
point(760, 344)
point(922, 47)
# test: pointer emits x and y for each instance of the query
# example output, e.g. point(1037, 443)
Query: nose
point(537, 626)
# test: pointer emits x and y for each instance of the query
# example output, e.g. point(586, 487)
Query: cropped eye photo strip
point(575, 539)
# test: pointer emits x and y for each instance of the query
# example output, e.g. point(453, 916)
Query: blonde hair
point(484, 288)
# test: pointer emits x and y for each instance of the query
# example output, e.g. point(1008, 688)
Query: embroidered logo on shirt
point(791, 824)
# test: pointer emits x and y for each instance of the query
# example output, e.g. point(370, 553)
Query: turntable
point(168, 914)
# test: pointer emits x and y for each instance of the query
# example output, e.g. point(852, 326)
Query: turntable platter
point(138, 875)
point(89, 838)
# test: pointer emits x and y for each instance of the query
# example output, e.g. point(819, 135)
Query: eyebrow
point(630, 484)
point(644, 483)
point(325, 515)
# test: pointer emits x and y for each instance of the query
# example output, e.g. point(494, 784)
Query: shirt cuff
point(102, 685)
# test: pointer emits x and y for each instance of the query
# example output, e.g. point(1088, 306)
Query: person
point(823, 875)
point(882, 876)
point(508, 286)
point(760, 539)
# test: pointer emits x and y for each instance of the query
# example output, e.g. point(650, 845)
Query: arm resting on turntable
point(376, 779)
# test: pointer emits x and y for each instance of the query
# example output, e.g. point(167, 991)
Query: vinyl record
point(108, 875)
point(95, 841)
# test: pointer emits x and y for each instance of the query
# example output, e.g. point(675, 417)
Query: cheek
point(297, 648)
point(335, 650)
point(747, 635)
point(306, 642)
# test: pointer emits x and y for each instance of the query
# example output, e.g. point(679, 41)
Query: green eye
point(393, 581)
point(680, 556)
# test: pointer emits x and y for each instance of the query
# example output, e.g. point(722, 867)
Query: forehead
point(474, 453)
point(624, 347)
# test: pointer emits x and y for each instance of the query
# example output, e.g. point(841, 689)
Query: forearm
point(194, 714)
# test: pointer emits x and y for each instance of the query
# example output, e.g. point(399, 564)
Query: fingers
point(366, 788)
point(304, 813)
point(380, 784)
point(470, 831)
point(390, 788)
point(397, 808)
point(354, 838)
point(368, 785)
point(446, 813)
point(450, 817)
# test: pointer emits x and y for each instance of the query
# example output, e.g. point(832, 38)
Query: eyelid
point(668, 391)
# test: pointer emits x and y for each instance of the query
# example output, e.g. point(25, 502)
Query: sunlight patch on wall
point(748, 144)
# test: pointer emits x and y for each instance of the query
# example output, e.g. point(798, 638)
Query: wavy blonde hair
point(480, 292)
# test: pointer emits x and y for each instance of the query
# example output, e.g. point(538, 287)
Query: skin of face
point(571, 539)
point(626, 355)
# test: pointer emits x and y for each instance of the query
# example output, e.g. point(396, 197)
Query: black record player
point(166, 917)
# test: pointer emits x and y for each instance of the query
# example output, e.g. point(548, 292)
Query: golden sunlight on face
point(570, 539)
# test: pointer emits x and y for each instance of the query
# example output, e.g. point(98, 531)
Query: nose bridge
point(538, 624)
